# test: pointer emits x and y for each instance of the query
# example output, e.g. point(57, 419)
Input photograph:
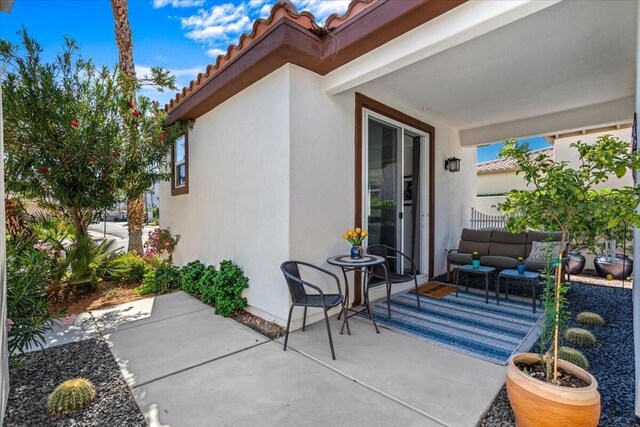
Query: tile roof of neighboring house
point(508, 164)
point(289, 36)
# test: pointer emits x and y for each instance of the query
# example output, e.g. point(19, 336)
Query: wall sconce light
point(452, 164)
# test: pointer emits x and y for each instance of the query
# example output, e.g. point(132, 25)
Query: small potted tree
point(544, 390)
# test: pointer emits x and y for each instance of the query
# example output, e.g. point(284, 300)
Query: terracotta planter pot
point(537, 403)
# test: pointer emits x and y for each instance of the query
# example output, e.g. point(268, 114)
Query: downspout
point(636, 240)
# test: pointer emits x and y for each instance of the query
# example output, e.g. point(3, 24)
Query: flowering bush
point(160, 242)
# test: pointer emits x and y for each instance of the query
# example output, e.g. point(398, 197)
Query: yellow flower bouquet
point(355, 236)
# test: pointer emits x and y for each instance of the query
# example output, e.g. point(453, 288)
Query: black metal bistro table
point(347, 264)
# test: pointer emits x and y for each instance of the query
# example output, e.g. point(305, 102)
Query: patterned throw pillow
point(539, 251)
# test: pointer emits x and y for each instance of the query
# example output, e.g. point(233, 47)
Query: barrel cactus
point(70, 396)
point(574, 356)
point(591, 319)
point(581, 337)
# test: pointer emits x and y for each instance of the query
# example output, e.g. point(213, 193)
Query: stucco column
point(636, 240)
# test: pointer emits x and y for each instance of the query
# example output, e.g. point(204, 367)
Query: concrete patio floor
point(189, 367)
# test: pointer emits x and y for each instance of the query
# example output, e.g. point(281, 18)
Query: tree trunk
point(134, 214)
point(135, 206)
point(123, 37)
point(78, 223)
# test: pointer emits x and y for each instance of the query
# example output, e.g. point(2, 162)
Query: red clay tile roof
point(283, 9)
point(508, 164)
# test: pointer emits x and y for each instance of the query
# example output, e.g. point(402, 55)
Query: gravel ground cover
point(611, 359)
point(37, 374)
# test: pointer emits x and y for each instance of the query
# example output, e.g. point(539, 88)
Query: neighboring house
point(302, 131)
point(498, 177)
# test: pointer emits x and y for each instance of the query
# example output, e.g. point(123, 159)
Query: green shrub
point(160, 281)
point(590, 319)
point(71, 396)
point(84, 262)
point(129, 268)
point(190, 276)
point(28, 274)
point(228, 284)
point(574, 356)
point(207, 285)
point(581, 337)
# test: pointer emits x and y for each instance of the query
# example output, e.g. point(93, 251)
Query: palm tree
point(135, 205)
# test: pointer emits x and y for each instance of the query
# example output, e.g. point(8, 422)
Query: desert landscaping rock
point(36, 374)
point(611, 358)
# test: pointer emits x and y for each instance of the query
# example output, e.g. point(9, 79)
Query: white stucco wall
point(499, 183)
point(486, 204)
point(237, 207)
point(272, 178)
point(564, 152)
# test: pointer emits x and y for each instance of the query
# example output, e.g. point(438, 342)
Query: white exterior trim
point(463, 23)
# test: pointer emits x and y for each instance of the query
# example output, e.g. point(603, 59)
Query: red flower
point(75, 123)
point(103, 175)
point(136, 113)
point(161, 137)
point(91, 159)
point(44, 170)
point(130, 104)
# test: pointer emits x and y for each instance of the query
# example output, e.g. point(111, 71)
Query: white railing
point(483, 221)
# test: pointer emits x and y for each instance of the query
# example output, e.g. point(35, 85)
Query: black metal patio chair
point(382, 274)
point(300, 297)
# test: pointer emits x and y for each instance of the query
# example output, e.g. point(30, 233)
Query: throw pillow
point(540, 251)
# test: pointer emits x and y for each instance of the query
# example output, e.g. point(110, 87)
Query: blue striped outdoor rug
point(465, 324)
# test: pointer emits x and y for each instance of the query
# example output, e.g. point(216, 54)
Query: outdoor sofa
point(498, 249)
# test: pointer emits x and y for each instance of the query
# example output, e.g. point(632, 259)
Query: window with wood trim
point(180, 166)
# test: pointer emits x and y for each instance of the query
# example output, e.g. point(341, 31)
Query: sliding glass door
point(394, 194)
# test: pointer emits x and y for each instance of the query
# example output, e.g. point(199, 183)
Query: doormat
point(435, 289)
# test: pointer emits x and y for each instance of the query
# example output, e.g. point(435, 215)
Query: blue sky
point(490, 152)
point(183, 36)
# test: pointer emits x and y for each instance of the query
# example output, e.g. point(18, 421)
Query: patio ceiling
point(569, 65)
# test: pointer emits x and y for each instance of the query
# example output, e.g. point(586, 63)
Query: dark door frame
point(364, 102)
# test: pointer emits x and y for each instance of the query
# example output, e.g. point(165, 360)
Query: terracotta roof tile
point(283, 9)
point(508, 164)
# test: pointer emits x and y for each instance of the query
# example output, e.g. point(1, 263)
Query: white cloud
point(321, 9)
point(220, 25)
point(183, 78)
point(214, 52)
point(264, 10)
point(224, 21)
point(157, 4)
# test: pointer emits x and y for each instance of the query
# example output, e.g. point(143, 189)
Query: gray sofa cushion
point(459, 258)
point(535, 265)
point(476, 235)
point(507, 250)
point(469, 247)
point(499, 262)
point(511, 238)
